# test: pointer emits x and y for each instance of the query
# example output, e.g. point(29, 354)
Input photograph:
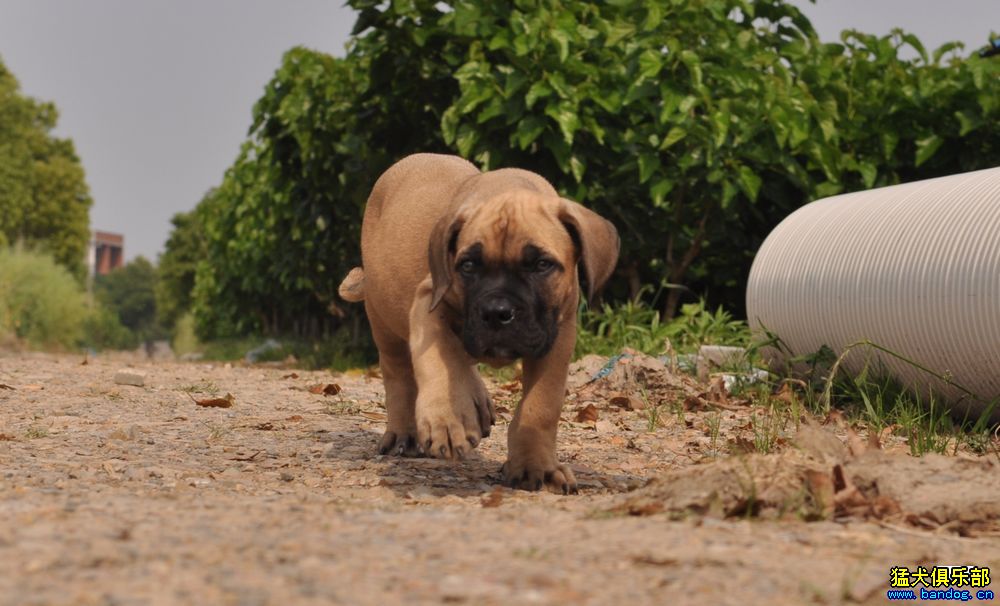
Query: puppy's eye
point(543, 265)
point(467, 267)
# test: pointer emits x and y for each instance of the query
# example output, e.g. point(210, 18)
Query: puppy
point(460, 267)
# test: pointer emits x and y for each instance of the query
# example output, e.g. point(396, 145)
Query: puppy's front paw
point(451, 421)
point(401, 443)
point(446, 435)
point(531, 470)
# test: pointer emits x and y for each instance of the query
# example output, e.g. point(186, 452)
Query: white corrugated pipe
point(914, 268)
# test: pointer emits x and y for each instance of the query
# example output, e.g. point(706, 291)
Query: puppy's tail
point(353, 287)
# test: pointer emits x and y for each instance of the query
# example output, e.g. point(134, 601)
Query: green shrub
point(103, 330)
point(637, 325)
point(184, 340)
point(40, 302)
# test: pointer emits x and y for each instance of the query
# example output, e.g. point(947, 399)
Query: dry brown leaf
point(649, 560)
point(291, 375)
point(5, 437)
point(836, 417)
point(374, 416)
point(226, 402)
point(294, 418)
point(85, 361)
point(855, 444)
point(820, 486)
point(250, 458)
point(888, 431)
point(787, 394)
point(741, 445)
point(717, 392)
point(627, 401)
point(693, 403)
point(5, 386)
point(643, 508)
point(266, 426)
point(587, 414)
point(513, 386)
point(493, 498)
point(874, 441)
point(327, 389)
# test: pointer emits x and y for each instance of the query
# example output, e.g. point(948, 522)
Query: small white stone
point(129, 376)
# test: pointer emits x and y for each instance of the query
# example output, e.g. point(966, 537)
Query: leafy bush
point(129, 292)
point(103, 330)
point(695, 126)
point(40, 301)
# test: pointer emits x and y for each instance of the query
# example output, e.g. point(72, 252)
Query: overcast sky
point(157, 94)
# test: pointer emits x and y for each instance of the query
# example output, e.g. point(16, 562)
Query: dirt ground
point(115, 494)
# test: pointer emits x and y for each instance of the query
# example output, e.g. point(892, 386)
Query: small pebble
point(128, 376)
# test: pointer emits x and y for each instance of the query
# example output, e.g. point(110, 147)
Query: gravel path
point(113, 494)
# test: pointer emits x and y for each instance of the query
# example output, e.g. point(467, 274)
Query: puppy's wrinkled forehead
point(506, 224)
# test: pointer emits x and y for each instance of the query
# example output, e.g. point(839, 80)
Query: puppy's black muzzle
point(498, 312)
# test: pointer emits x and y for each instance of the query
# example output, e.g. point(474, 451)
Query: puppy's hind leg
point(400, 437)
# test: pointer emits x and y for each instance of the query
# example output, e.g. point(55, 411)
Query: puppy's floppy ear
point(597, 243)
point(440, 254)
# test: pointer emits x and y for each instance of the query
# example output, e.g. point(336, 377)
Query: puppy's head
point(511, 263)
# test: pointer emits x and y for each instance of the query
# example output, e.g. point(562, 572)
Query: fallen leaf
point(267, 426)
point(649, 560)
point(627, 401)
point(493, 498)
point(587, 414)
point(855, 444)
point(874, 441)
point(291, 375)
point(820, 486)
point(374, 416)
point(226, 402)
point(327, 389)
point(294, 418)
point(741, 445)
point(4, 386)
point(836, 417)
point(513, 386)
point(787, 395)
point(645, 507)
point(85, 361)
point(250, 458)
point(693, 403)
point(4, 437)
point(717, 391)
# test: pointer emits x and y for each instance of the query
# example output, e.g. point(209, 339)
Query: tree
point(129, 292)
point(695, 126)
point(177, 266)
point(43, 194)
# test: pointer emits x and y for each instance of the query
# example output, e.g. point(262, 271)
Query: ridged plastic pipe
point(913, 268)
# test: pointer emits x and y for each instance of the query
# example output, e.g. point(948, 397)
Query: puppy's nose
point(497, 313)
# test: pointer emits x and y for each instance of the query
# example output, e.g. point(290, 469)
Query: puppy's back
point(405, 204)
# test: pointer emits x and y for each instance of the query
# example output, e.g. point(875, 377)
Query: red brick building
point(107, 252)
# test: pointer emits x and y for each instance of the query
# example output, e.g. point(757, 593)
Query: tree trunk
point(677, 270)
point(632, 276)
